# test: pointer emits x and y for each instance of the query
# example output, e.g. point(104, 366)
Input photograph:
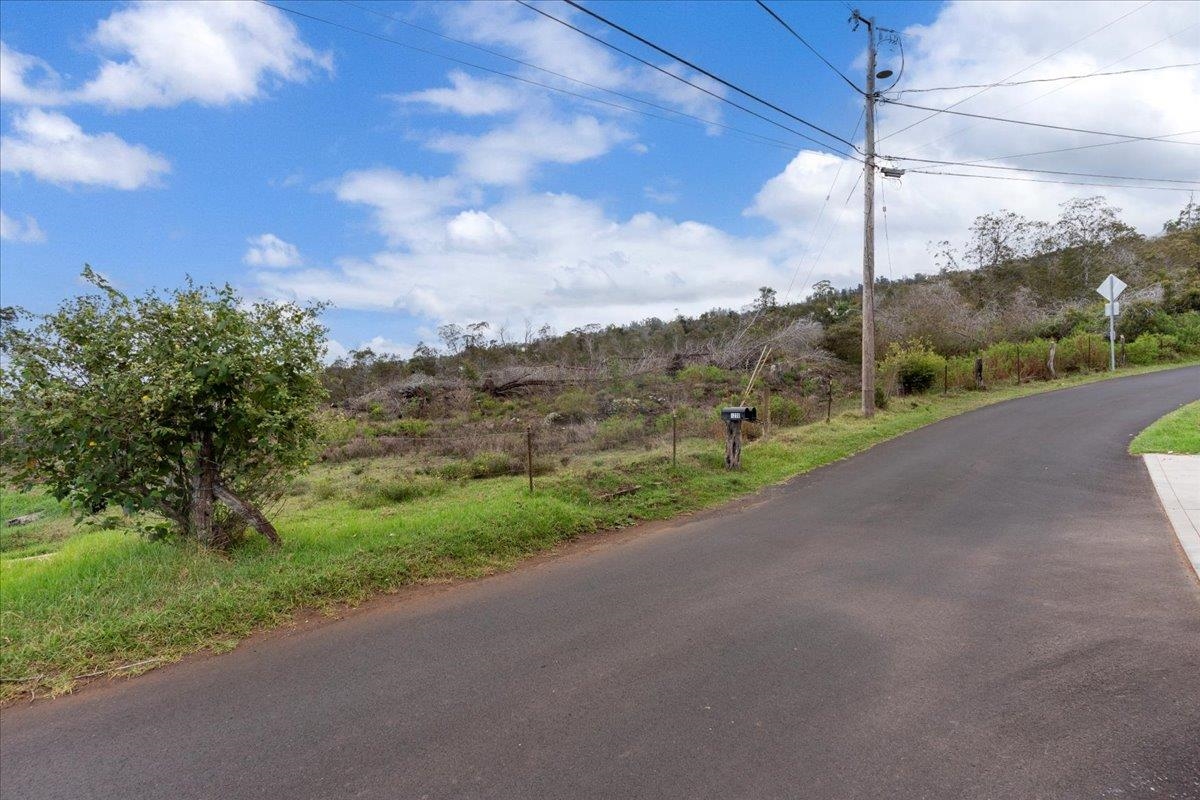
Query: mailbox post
point(734, 416)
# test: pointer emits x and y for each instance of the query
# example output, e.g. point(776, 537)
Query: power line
point(979, 165)
point(1164, 137)
point(556, 74)
point(1032, 100)
point(1010, 76)
point(1049, 80)
point(699, 69)
point(751, 136)
point(804, 42)
point(948, 110)
point(1040, 180)
point(681, 79)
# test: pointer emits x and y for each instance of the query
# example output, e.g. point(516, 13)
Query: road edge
point(1185, 530)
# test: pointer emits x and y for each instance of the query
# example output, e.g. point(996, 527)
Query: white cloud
point(538, 40)
point(468, 96)
point(477, 230)
point(552, 257)
point(407, 207)
point(52, 147)
point(20, 230)
point(213, 53)
point(268, 250)
point(165, 54)
point(27, 80)
point(509, 153)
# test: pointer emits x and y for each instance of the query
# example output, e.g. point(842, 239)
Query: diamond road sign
point(1111, 288)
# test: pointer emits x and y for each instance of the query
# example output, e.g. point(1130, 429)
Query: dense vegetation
point(166, 404)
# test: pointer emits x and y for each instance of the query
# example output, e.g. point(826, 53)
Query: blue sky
point(236, 142)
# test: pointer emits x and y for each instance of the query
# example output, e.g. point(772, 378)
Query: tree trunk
point(733, 444)
point(204, 478)
point(247, 512)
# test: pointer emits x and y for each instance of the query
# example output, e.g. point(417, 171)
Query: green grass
point(110, 598)
point(1177, 432)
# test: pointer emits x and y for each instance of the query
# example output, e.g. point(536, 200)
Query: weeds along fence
point(1003, 362)
point(538, 444)
point(518, 447)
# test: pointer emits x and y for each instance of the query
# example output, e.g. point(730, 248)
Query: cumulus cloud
point(268, 250)
point(209, 53)
point(20, 230)
point(468, 96)
point(508, 154)
point(27, 80)
point(553, 257)
point(52, 147)
point(407, 208)
point(165, 54)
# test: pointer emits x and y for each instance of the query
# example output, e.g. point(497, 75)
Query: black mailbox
point(740, 414)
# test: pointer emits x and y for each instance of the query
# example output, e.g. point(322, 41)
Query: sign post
point(1110, 290)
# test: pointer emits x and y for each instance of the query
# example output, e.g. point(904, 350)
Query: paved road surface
point(991, 607)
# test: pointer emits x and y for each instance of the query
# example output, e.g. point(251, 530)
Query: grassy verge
point(109, 598)
point(1177, 432)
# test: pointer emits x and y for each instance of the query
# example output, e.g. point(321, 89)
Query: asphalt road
point(991, 607)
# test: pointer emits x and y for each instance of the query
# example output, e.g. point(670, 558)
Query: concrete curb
point(1177, 479)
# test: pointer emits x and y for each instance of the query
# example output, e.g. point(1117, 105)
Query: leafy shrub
point(915, 365)
point(618, 431)
point(404, 427)
point(881, 398)
point(1150, 348)
point(575, 405)
point(786, 411)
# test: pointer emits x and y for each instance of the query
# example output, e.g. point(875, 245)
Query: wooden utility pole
point(868, 279)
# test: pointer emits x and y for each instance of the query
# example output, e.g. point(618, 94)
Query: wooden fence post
point(1018, 366)
point(674, 443)
point(733, 444)
point(828, 399)
point(529, 454)
point(767, 408)
point(978, 372)
point(946, 378)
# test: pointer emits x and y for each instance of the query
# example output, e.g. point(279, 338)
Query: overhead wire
point(712, 76)
point(1040, 180)
point(989, 87)
point(682, 79)
point(1032, 100)
point(749, 135)
point(979, 165)
point(804, 42)
point(1048, 80)
point(1078, 147)
point(948, 110)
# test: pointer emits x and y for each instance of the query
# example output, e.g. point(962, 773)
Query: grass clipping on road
point(111, 602)
point(1177, 432)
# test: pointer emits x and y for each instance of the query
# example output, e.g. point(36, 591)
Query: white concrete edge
point(1185, 530)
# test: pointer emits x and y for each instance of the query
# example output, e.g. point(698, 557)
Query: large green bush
point(915, 365)
point(786, 411)
point(1150, 348)
point(192, 404)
